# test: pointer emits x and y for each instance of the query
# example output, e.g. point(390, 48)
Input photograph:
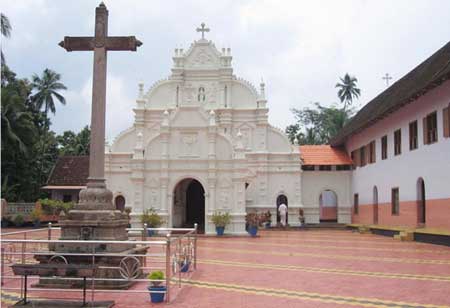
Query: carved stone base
point(94, 218)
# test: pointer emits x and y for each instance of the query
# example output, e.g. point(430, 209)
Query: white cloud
point(300, 48)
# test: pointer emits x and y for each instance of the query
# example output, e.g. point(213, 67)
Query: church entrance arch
point(189, 204)
point(280, 200)
point(328, 206)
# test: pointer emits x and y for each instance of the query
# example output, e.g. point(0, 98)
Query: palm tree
point(5, 29)
point(347, 89)
point(47, 87)
point(17, 123)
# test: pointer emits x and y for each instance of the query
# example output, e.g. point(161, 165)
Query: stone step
point(405, 236)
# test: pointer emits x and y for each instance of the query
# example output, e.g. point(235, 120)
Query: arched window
point(201, 94)
point(120, 203)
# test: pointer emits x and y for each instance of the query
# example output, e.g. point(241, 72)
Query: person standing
point(282, 210)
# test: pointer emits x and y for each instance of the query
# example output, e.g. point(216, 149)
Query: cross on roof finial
point(203, 30)
point(387, 78)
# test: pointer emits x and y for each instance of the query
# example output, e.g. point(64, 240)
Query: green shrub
point(36, 214)
point(19, 220)
point(156, 275)
point(55, 207)
point(151, 218)
point(221, 220)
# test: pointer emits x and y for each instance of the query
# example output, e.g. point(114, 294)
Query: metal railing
point(169, 251)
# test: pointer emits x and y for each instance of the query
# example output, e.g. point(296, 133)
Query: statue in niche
point(201, 94)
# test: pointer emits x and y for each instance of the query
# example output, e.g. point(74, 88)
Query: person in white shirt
point(282, 210)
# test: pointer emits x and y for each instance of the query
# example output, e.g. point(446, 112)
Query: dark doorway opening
point(282, 199)
point(120, 203)
point(421, 201)
point(195, 205)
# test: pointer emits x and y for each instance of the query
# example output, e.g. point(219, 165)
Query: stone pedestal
point(94, 218)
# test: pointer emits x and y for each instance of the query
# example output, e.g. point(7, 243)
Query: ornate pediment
point(202, 55)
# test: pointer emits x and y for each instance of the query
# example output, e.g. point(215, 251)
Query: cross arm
point(77, 43)
point(122, 43)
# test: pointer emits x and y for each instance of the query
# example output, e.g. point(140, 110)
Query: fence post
point(3, 264)
point(93, 276)
point(195, 246)
point(168, 264)
point(144, 232)
point(49, 231)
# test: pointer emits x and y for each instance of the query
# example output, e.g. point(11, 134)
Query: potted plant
point(268, 219)
point(252, 221)
point(155, 287)
point(221, 220)
point(18, 220)
point(36, 217)
point(152, 219)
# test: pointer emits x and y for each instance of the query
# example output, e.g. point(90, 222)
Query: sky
point(299, 48)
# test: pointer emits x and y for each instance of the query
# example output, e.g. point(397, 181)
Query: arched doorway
point(375, 205)
point(119, 201)
point(328, 206)
point(421, 201)
point(189, 204)
point(280, 200)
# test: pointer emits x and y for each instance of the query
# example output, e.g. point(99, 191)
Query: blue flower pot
point(267, 225)
point(253, 230)
point(157, 297)
point(184, 267)
point(220, 230)
point(150, 233)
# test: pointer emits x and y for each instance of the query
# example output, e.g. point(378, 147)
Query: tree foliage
point(29, 148)
point(47, 88)
point(319, 124)
point(75, 144)
point(5, 30)
point(347, 90)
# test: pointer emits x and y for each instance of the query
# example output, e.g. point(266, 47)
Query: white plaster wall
point(431, 162)
point(315, 182)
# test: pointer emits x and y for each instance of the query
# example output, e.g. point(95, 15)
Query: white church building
point(201, 142)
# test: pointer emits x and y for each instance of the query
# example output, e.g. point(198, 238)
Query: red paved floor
point(318, 268)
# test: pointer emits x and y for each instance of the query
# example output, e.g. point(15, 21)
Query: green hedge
point(55, 207)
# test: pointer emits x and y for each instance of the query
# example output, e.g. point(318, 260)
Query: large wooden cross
point(101, 43)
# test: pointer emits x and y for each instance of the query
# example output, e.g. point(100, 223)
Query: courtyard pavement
point(317, 268)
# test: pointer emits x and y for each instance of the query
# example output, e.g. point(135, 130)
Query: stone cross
point(203, 30)
point(387, 78)
point(100, 43)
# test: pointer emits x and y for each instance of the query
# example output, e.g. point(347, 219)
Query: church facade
point(201, 142)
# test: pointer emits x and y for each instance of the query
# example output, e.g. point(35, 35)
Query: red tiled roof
point(324, 155)
point(70, 171)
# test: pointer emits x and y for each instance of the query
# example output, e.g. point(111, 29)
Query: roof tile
point(324, 155)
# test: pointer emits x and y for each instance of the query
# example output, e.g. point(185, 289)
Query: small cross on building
point(387, 78)
point(203, 30)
